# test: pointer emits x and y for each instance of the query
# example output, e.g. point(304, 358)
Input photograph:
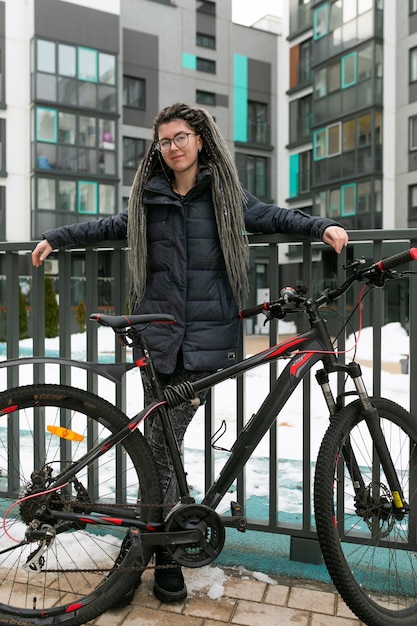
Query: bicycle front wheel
point(369, 548)
point(55, 570)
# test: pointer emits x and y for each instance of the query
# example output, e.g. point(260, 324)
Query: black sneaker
point(169, 583)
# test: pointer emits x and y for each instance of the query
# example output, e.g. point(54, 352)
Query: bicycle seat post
point(149, 376)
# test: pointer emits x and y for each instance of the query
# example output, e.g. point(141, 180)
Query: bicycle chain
point(152, 566)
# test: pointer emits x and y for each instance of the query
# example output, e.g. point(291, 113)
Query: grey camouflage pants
point(180, 417)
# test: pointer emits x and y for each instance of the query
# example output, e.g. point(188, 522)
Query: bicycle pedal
point(237, 511)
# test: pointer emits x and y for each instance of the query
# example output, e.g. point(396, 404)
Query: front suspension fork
point(373, 422)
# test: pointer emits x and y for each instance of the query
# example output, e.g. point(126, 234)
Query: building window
point(300, 119)
point(320, 144)
point(304, 70)
point(67, 196)
point(412, 6)
point(364, 197)
point(320, 204)
point(300, 171)
point(204, 6)
point(412, 202)
point(206, 65)
point(3, 213)
point(258, 123)
point(320, 83)
point(333, 77)
point(87, 64)
point(84, 197)
point(46, 125)
point(305, 171)
point(205, 97)
point(2, 147)
point(334, 203)
point(74, 143)
point(256, 176)
point(133, 152)
point(321, 21)
point(134, 92)
point(205, 41)
point(2, 96)
point(333, 142)
point(46, 61)
point(46, 194)
point(349, 70)
point(413, 65)
point(348, 199)
point(75, 76)
point(413, 133)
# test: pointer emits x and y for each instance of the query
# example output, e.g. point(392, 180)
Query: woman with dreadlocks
point(185, 227)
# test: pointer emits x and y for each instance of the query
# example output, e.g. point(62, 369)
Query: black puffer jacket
point(186, 273)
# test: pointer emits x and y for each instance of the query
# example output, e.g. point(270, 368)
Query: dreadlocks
point(227, 194)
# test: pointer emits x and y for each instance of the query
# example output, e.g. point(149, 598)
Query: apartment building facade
point(352, 109)
point(80, 86)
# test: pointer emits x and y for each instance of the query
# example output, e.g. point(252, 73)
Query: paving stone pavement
point(241, 598)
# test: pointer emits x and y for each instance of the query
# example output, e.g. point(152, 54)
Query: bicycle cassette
point(208, 522)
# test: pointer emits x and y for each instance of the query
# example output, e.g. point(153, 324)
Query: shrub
point(81, 317)
point(51, 310)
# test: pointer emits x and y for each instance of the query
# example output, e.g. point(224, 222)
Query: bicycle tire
point(369, 554)
point(87, 567)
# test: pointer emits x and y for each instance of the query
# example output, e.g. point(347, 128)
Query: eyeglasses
point(180, 140)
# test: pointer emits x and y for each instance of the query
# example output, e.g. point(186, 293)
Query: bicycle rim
point(73, 572)
point(369, 552)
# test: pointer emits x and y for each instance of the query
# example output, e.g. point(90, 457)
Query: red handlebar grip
point(397, 259)
point(254, 310)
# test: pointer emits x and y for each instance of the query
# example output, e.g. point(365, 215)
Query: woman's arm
point(109, 228)
point(269, 218)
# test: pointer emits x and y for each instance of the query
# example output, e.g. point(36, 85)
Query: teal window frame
point(85, 183)
point(325, 9)
point(294, 175)
point(344, 212)
point(315, 144)
point(343, 61)
point(80, 76)
point(55, 112)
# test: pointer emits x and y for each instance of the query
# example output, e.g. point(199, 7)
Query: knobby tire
point(88, 570)
point(370, 554)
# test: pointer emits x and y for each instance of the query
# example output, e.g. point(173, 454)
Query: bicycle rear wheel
point(74, 571)
point(370, 551)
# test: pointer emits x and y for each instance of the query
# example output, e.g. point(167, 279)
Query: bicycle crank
point(198, 517)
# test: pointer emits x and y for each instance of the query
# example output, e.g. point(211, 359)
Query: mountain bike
point(81, 501)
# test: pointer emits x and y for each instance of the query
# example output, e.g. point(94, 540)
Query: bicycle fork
point(380, 450)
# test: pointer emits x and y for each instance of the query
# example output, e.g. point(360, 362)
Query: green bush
point(23, 316)
point(51, 310)
point(81, 317)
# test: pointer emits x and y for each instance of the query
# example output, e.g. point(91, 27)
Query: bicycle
point(82, 509)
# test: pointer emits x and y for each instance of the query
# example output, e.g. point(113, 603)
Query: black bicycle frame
point(312, 346)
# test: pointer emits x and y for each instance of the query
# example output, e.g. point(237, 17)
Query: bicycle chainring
point(203, 518)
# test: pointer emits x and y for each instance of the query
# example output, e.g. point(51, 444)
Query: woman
point(188, 257)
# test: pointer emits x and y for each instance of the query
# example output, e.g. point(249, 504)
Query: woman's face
point(184, 156)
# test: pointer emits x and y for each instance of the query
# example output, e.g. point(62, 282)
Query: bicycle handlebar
point(290, 299)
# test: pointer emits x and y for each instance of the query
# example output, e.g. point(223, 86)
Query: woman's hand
point(336, 237)
point(41, 252)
